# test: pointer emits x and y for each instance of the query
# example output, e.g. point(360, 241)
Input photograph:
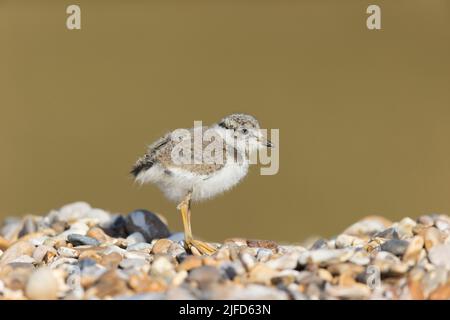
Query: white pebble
point(135, 237)
point(405, 228)
point(440, 255)
point(42, 285)
point(68, 252)
point(142, 246)
point(99, 215)
point(73, 211)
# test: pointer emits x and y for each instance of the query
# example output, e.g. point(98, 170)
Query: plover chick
point(239, 135)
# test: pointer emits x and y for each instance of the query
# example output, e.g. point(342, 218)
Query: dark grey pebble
point(319, 244)
point(80, 240)
point(395, 246)
point(389, 233)
point(229, 270)
point(148, 224)
point(117, 227)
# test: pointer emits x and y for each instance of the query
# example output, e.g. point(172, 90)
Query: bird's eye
point(244, 131)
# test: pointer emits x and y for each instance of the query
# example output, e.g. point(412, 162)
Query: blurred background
point(363, 115)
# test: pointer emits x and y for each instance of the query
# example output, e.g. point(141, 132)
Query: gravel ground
point(79, 252)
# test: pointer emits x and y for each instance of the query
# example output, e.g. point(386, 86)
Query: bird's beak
point(267, 143)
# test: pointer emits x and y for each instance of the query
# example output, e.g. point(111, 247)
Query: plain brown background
point(363, 115)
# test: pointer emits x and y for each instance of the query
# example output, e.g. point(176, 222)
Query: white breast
point(224, 179)
point(176, 185)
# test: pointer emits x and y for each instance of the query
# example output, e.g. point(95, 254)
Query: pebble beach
point(80, 252)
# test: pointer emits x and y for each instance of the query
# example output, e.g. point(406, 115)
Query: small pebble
point(80, 240)
point(432, 237)
point(68, 252)
point(111, 260)
point(263, 254)
point(405, 227)
point(18, 249)
point(161, 246)
point(440, 255)
point(344, 240)
point(99, 235)
point(426, 221)
point(148, 224)
point(368, 226)
point(162, 267)
point(205, 276)
point(262, 274)
point(247, 260)
point(395, 246)
point(141, 246)
point(42, 285)
point(135, 237)
point(442, 224)
point(389, 233)
point(415, 246)
point(319, 244)
point(327, 256)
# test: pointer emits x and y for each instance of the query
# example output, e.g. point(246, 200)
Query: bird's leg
point(185, 208)
point(195, 246)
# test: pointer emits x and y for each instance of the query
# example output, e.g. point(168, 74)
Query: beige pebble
point(325, 275)
point(161, 246)
point(405, 228)
point(18, 249)
point(262, 274)
point(42, 285)
point(98, 234)
point(432, 237)
point(368, 225)
point(247, 260)
point(344, 240)
point(111, 260)
point(440, 255)
point(415, 246)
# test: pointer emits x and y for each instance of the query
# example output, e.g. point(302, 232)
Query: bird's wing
point(147, 160)
point(161, 152)
point(164, 156)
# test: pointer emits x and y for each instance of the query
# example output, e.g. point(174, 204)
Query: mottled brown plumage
point(161, 152)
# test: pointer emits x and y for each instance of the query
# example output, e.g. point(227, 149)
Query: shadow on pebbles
point(80, 252)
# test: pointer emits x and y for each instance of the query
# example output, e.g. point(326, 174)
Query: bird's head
point(244, 129)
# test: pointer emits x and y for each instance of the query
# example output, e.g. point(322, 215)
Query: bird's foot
point(199, 248)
